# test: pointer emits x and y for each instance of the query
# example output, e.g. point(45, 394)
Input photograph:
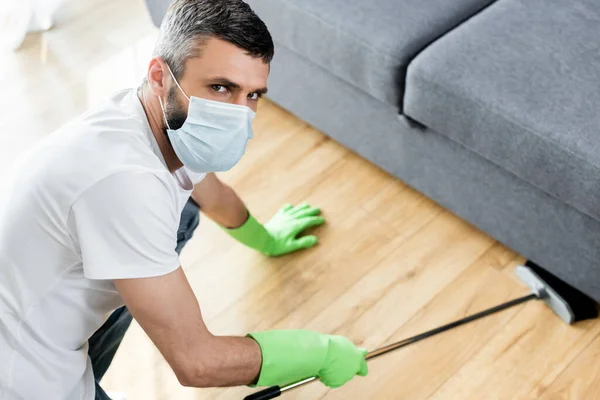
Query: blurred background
point(91, 49)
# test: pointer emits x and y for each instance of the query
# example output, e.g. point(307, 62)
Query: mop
point(568, 303)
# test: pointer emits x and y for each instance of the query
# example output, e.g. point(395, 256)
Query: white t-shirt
point(92, 202)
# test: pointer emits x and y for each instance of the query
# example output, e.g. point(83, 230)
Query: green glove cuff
point(252, 234)
point(290, 356)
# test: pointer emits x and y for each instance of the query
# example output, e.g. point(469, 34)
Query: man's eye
point(219, 88)
point(254, 96)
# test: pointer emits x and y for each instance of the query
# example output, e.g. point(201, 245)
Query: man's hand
point(287, 224)
point(280, 235)
point(290, 356)
point(277, 237)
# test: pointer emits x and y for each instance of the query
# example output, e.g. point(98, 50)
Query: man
point(94, 216)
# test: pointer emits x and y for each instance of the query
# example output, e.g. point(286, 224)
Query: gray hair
point(189, 23)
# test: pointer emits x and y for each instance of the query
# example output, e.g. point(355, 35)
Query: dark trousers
point(105, 341)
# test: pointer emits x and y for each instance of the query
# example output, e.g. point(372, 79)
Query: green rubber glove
point(280, 235)
point(290, 356)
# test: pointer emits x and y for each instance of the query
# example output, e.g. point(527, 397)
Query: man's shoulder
point(115, 120)
point(114, 132)
point(110, 138)
point(126, 182)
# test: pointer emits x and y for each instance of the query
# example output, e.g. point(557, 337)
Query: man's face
point(223, 72)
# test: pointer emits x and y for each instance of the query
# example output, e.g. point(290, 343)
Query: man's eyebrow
point(230, 84)
point(224, 82)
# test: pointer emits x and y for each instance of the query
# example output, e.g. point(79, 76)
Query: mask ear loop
point(177, 83)
point(160, 100)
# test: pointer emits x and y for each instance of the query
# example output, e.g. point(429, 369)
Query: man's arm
point(281, 235)
point(219, 202)
point(169, 313)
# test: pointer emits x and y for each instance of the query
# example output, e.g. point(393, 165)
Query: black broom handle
point(276, 391)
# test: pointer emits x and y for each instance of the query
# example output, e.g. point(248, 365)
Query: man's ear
point(157, 77)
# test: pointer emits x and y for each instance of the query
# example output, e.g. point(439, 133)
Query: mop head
point(568, 303)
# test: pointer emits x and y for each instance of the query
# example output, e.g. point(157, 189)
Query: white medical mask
point(213, 137)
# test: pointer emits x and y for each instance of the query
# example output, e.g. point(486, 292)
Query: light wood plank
point(525, 356)
point(580, 380)
point(397, 205)
point(404, 282)
point(415, 372)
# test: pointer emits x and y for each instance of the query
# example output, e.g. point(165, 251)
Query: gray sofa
point(491, 108)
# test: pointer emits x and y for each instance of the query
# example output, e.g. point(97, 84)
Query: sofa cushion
point(520, 85)
point(367, 43)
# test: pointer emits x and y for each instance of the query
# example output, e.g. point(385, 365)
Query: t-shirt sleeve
point(126, 227)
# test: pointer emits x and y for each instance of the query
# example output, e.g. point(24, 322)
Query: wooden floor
point(390, 264)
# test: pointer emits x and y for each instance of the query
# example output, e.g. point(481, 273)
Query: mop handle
point(276, 391)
